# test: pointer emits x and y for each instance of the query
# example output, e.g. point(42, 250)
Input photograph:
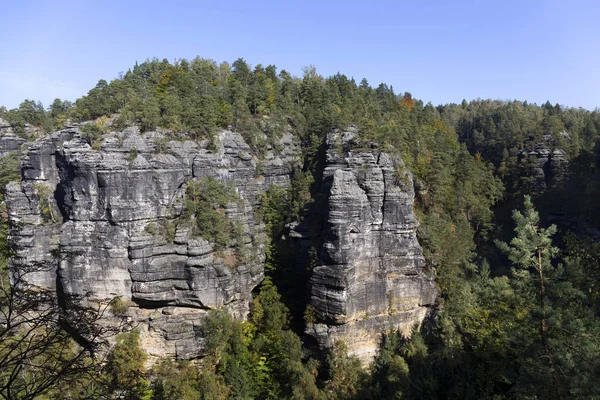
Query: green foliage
point(300, 196)
point(205, 201)
point(212, 386)
point(278, 207)
point(391, 376)
point(149, 114)
point(261, 358)
point(183, 380)
point(505, 336)
point(126, 368)
point(10, 170)
point(532, 245)
point(310, 316)
point(151, 229)
point(495, 337)
point(45, 196)
point(133, 154)
point(274, 209)
point(554, 309)
point(581, 265)
point(170, 229)
point(347, 377)
point(118, 306)
point(92, 132)
point(505, 132)
point(454, 205)
point(58, 112)
point(175, 381)
point(32, 113)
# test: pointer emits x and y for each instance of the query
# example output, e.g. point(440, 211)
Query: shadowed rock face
point(550, 162)
point(114, 215)
point(370, 276)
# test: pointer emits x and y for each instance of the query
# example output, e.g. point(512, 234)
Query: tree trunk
point(544, 327)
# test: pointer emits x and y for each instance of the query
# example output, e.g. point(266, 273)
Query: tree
point(149, 114)
point(33, 113)
point(566, 329)
point(58, 112)
point(126, 368)
point(390, 378)
point(242, 73)
point(59, 107)
point(205, 201)
point(347, 377)
point(175, 380)
point(532, 248)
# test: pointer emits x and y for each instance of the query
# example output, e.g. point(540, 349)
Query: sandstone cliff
point(9, 142)
point(549, 162)
point(370, 275)
point(114, 213)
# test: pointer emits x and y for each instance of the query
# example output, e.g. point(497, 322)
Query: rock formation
point(549, 162)
point(370, 275)
point(114, 214)
point(9, 142)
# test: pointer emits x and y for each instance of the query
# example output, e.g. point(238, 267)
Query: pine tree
point(532, 248)
point(552, 366)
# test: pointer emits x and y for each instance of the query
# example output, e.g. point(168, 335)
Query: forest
point(515, 252)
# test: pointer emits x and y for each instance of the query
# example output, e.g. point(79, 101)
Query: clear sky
point(440, 51)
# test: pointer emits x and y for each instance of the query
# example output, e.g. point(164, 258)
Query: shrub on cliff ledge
point(205, 201)
point(45, 195)
point(10, 170)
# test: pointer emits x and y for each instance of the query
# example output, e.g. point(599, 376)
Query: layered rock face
point(9, 142)
point(110, 221)
point(370, 276)
point(550, 162)
point(114, 214)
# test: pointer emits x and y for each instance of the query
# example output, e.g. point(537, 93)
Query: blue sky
point(440, 51)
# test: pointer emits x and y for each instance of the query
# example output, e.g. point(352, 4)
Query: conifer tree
point(531, 249)
point(566, 332)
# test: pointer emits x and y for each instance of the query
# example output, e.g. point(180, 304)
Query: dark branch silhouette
point(48, 339)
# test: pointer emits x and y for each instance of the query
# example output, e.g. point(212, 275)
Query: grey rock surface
point(370, 275)
point(115, 217)
point(550, 161)
point(9, 142)
point(113, 212)
point(9, 131)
